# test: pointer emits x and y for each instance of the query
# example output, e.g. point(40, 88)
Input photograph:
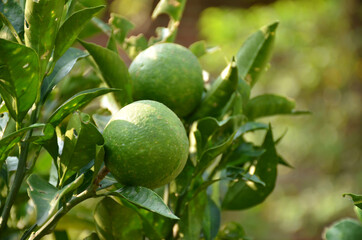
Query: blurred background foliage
point(317, 61)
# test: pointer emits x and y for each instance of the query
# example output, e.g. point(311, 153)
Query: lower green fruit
point(146, 144)
point(115, 221)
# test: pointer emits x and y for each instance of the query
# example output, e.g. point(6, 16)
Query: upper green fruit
point(146, 144)
point(170, 74)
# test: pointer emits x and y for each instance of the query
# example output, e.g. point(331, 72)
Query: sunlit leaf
point(46, 197)
point(145, 198)
point(219, 94)
point(268, 105)
point(254, 54)
point(61, 69)
point(76, 102)
point(19, 78)
point(173, 8)
point(244, 194)
point(135, 44)
point(120, 27)
point(80, 142)
point(71, 28)
point(199, 48)
point(346, 229)
point(114, 71)
point(42, 19)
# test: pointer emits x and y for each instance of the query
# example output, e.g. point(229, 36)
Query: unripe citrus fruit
point(115, 221)
point(146, 144)
point(168, 73)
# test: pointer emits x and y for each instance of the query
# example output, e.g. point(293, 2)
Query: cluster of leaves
point(347, 228)
point(38, 111)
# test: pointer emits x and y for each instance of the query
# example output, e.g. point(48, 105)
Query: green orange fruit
point(145, 144)
point(168, 73)
point(116, 221)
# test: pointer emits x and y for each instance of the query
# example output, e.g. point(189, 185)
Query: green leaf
point(244, 152)
point(145, 198)
point(112, 44)
point(254, 54)
point(42, 20)
point(101, 121)
point(19, 78)
point(135, 44)
point(241, 194)
point(250, 126)
point(358, 212)
point(173, 8)
point(43, 136)
point(46, 197)
point(71, 28)
point(219, 94)
point(114, 71)
point(192, 219)
point(357, 199)
point(120, 27)
point(80, 142)
point(98, 161)
point(199, 48)
point(240, 173)
point(76, 102)
point(346, 229)
point(116, 221)
point(14, 13)
point(268, 105)
point(8, 143)
point(61, 235)
point(212, 139)
point(212, 219)
point(61, 69)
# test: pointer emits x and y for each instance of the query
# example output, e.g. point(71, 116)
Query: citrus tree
point(128, 135)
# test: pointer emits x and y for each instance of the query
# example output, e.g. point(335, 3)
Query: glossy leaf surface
point(76, 102)
point(346, 229)
point(62, 67)
point(71, 28)
point(46, 197)
point(268, 105)
point(242, 194)
point(114, 71)
point(254, 54)
point(219, 93)
point(80, 142)
point(19, 77)
point(42, 20)
point(145, 198)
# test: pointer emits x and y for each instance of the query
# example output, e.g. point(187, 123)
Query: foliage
point(224, 170)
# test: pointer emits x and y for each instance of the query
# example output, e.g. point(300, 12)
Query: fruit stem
point(102, 174)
